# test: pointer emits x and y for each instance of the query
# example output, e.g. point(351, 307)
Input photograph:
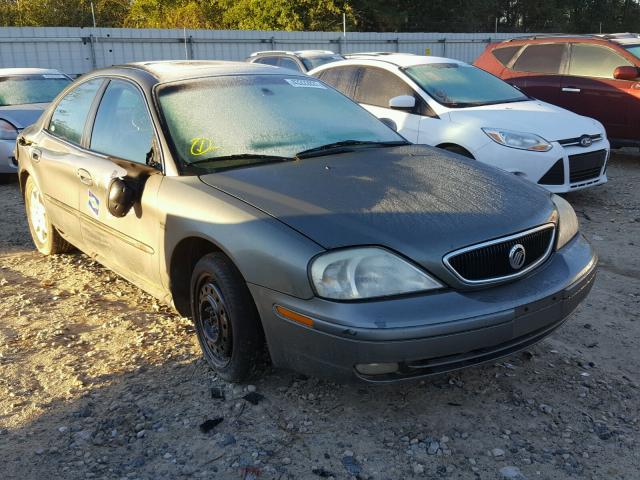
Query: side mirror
point(625, 73)
point(402, 102)
point(390, 123)
point(122, 197)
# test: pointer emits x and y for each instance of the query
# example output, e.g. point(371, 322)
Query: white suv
point(461, 108)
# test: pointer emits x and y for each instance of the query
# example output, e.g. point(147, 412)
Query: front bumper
point(535, 165)
point(427, 334)
point(8, 162)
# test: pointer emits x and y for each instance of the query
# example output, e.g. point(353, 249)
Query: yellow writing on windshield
point(201, 145)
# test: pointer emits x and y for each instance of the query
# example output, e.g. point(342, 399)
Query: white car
point(456, 106)
point(24, 94)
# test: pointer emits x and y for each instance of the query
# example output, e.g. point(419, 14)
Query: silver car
point(270, 208)
point(24, 94)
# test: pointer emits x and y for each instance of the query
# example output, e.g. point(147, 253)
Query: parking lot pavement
point(99, 381)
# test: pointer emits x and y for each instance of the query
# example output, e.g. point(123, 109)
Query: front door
point(589, 89)
point(122, 144)
point(375, 87)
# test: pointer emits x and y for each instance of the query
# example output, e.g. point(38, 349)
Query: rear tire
point(44, 235)
point(226, 320)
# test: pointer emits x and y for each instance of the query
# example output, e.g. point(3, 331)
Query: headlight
point(523, 141)
point(366, 272)
point(7, 131)
point(567, 221)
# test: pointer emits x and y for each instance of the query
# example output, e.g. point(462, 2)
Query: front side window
point(70, 115)
point(541, 58)
point(594, 61)
point(313, 62)
point(24, 89)
point(267, 60)
point(227, 122)
point(122, 127)
point(377, 86)
point(458, 85)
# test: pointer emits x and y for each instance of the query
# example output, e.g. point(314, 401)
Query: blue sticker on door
point(93, 203)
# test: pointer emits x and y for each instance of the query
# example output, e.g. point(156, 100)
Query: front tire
point(44, 235)
point(226, 320)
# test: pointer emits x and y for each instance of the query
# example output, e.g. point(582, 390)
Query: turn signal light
point(296, 317)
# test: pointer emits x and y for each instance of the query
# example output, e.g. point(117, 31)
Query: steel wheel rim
point(38, 216)
point(215, 325)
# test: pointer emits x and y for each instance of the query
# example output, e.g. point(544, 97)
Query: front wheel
point(45, 236)
point(226, 320)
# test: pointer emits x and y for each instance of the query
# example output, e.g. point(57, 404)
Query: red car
point(593, 75)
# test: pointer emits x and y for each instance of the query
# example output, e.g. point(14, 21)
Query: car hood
point(550, 122)
point(21, 116)
point(416, 200)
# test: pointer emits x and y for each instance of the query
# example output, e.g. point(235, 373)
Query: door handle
point(36, 155)
point(571, 89)
point(84, 176)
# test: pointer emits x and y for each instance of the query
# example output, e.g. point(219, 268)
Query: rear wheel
point(44, 235)
point(226, 320)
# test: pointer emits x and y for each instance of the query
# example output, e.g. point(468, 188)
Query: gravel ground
point(97, 380)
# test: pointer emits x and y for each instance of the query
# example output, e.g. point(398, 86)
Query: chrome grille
point(488, 262)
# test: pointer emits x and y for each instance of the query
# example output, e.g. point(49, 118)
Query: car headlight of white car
point(367, 272)
point(520, 140)
point(567, 221)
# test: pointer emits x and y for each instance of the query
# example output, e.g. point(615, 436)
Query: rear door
point(122, 142)
point(376, 86)
point(58, 157)
point(537, 70)
point(589, 88)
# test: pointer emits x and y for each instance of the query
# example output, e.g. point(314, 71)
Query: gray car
point(270, 208)
point(24, 94)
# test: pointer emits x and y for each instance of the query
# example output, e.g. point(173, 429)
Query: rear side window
point(69, 117)
point(377, 86)
point(289, 63)
point(544, 58)
point(505, 54)
point(594, 61)
point(122, 127)
point(342, 79)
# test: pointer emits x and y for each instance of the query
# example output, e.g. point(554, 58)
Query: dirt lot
point(99, 381)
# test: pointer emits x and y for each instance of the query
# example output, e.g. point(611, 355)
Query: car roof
point(296, 53)
point(28, 71)
point(397, 59)
point(171, 70)
point(617, 38)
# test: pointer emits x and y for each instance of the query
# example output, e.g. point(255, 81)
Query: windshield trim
point(524, 98)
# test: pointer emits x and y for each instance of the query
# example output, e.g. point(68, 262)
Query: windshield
point(459, 85)
point(313, 62)
point(634, 50)
point(21, 89)
point(219, 118)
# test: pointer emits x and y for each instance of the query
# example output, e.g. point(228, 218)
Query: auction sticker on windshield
point(301, 83)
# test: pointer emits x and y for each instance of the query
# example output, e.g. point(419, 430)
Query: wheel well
point(23, 180)
point(183, 260)
point(455, 148)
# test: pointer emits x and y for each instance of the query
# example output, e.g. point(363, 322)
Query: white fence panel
point(78, 50)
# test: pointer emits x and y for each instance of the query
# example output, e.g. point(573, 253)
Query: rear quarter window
point(505, 54)
point(342, 79)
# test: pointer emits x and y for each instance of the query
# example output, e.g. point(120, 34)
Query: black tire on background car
point(44, 235)
point(225, 317)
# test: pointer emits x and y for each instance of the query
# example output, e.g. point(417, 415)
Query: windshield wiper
point(244, 156)
point(331, 147)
